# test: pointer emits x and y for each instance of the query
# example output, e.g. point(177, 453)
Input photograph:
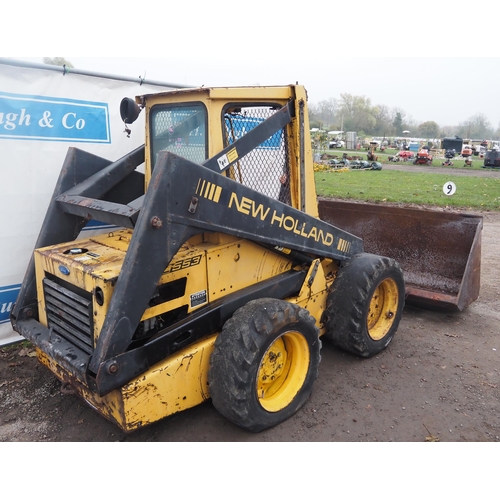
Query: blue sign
point(93, 225)
point(53, 119)
point(240, 125)
point(8, 295)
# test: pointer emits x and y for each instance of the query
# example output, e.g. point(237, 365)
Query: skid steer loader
point(218, 279)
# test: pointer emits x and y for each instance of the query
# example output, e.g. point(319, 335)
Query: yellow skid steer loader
point(218, 279)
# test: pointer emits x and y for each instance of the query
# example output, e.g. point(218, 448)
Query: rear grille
point(69, 314)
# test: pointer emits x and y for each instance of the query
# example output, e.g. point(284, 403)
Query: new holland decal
point(247, 206)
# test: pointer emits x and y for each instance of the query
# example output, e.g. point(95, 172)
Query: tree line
point(357, 114)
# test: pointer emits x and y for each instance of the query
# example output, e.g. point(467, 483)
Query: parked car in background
point(336, 144)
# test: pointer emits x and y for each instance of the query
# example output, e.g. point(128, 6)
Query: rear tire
point(365, 304)
point(264, 363)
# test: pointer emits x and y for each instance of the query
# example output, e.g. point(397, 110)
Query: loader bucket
point(439, 252)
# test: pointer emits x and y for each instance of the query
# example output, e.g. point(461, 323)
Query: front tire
point(365, 304)
point(264, 363)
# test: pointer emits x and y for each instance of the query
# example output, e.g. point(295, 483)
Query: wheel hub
point(382, 309)
point(282, 371)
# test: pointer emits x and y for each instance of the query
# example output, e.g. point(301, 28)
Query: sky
point(386, 51)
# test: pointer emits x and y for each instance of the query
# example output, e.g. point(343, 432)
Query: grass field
point(472, 192)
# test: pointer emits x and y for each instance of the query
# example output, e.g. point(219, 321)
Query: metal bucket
point(439, 252)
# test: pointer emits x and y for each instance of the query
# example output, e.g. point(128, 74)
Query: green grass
point(472, 193)
point(16, 345)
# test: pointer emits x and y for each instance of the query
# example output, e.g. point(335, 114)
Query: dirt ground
point(437, 381)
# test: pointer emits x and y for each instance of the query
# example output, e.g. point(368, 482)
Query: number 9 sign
point(449, 188)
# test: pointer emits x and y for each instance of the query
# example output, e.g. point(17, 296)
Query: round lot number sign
point(449, 188)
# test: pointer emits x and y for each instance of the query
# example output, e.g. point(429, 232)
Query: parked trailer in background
point(452, 143)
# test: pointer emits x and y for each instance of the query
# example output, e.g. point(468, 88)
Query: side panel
point(176, 384)
point(240, 265)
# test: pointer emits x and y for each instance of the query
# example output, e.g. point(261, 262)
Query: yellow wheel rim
point(382, 312)
point(283, 370)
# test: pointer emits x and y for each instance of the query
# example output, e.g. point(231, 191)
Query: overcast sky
point(431, 61)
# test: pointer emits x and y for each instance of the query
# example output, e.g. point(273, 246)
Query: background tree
point(57, 61)
point(398, 123)
point(314, 123)
point(496, 135)
point(410, 124)
point(475, 127)
point(383, 125)
point(313, 114)
point(324, 114)
point(428, 130)
point(448, 131)
point(327, 111)
point(357, 113)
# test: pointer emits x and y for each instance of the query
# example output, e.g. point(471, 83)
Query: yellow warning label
point(284, 250)
point(232, 155)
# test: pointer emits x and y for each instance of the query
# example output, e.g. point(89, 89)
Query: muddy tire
point(365, 304)
point(264, 363)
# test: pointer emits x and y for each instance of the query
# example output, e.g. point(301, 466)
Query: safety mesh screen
point(265, 168)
